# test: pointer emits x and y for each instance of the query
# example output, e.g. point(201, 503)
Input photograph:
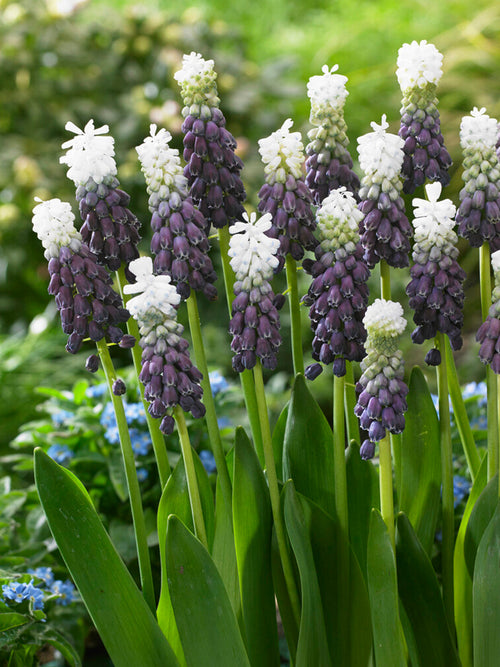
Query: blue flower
point(44, 573)
point(224, 422)
point(208, 460)
point(65, 590)
point(96, 390)
point(141, 442)
point(19, 592)
point(108, 418)
point(61, 416)
point(477, 389)
point(218, 382)
point(60, 453)
point(134, 412)
point(461, 488)
point(142, 474)
point(112, 435)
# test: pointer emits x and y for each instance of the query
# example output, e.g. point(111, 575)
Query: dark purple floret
point(329, 171)
point(119, 387)
point(92, 363)
point(489, 335)
point(385, 231)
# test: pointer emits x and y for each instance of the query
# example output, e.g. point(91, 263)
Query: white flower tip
point(380, 129)
point(418, 65)
point(478, 129)
point(384, 318)
point(142, 267)
point(495, 261)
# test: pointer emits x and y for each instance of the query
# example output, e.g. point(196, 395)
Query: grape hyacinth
point(179, 244)
point(87, 303)
point(329, 165)
point(167, 373)
point(109, 228)
point(489, 332)
point(285, 195)
point(436, 287)
point(255, 321)
point(478, 216)
point(381, 390)
point(213, 168)
point(338, 295)
point(418, 73)
point(385, 230)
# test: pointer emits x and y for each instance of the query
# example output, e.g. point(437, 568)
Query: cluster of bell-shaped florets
point(489, 332)
point(329, 165)
point(255, 323)
point(167, 373)
point(285, 195)
point(213, 168)
point(338, 295)
point(109, 228)
point(426, 158)
point(478, 215)
point(436, 287)
point(180, 245)
point(87, 303)
point(385, 230)
point(381, 389)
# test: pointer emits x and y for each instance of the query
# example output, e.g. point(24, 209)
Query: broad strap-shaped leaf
point(278, 440)
point(205, 619)
point(308, 450)
point(480, 517)
point(486, 595)
point(290, 624)
point(421, 461)
point(462, 582)
point(312, 647)
point(252, 523)
point(124, 621)
point(362, 495)
point(383, 593)
point(421, 597)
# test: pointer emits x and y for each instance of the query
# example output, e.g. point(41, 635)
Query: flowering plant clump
point(329, 165)
point(478, 216)
point(419, 71)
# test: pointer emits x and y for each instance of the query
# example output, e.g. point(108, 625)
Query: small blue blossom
point(96, 390)
point(218, 382)
point(142, 474)
point(477, 389)
point(18, 592)
point(141, 442)
point(61, 417)
point(108, 418)
point(44, 573)
point(224, 422)
point(208, 460)
point(461, 488)
point(65, 590)
point(60, 453)
point(134, 412)
point(112, 435)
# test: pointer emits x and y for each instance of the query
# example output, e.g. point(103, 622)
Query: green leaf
point(122, 617)
point(383, 592)
point(116, 471)
point(362, 495)
point(308, 450)
point(12, 619)
point(278, 440)
point(205, 618)
point(312, 647)
point(462, 582)
point(480, 517)
point(59, 641)
point(280, 587)
point(421, 461)
point(421, 597)
point(486, 595)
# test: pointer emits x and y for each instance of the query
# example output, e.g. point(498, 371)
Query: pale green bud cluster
point(197, 79)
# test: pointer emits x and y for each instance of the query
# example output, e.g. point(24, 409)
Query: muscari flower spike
point(329, 165)
point(285, 195)
point(167, 373)
point(489, 332)
point(338, 295)
point(381, 389)
point(436, 287)
point(109, 228)
point(87, 303)
point(213, 168)
point(255, 321)
point(385, 230)
point(478, 216)
point(426, 158)
point(179, 244)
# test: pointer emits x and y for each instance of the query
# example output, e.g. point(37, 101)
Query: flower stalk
point(295, 322)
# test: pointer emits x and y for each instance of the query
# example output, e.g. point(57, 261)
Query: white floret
point(90, 155)
point(252, 252)
point(381, 152)
point(384, 318)
point(495, 262)
point(161, 164)
point(478, 130)
point(54, 224)
point(419, 63)
point(282, 152)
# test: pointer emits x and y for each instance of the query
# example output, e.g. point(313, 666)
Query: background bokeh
point(114, 61)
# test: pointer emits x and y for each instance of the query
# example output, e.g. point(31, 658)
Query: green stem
point(192, 480)
point(350, 401)
point(448, 517)
point(208, 400)
point(275, 494)
point(340, 476)
point(296, 328)
point(498, 418)
point(134, 491)
point(461, 419)
point(386, 488)
point(246, 378)
point(385, 280)
point(157, 437)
